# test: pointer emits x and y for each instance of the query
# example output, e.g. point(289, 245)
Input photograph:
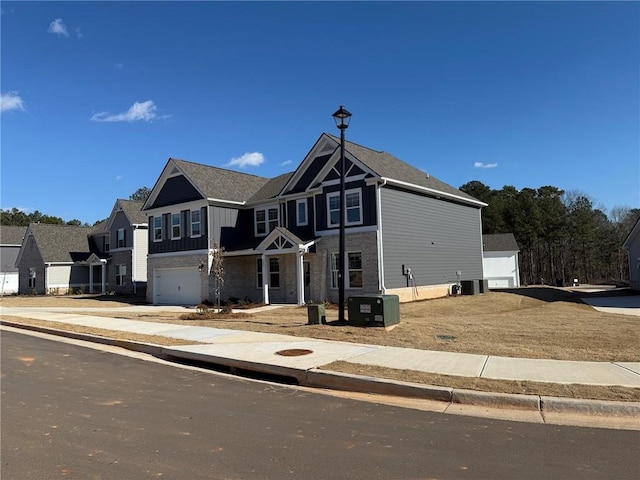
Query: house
point(500, 260)
point(407, 233)
point(124, 240)
point(10, 242)
point(57, 259)
point(108, 257)
point(632, 245)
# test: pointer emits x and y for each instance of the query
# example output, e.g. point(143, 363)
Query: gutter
point(432, 191)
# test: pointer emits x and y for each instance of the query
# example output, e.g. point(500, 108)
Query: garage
point(176, 286)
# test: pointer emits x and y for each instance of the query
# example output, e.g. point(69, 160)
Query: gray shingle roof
point(61, 243)
point(220, 183)
point(388, 166)
point(499, 242)
point(12, 235)
point(132, 209)
point(272, 188)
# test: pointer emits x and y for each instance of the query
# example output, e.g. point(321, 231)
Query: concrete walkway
point(299, 357)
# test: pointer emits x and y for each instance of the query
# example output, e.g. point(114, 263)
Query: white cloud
point(145, 111)
point(11, 101)
point(286, 162)
point(485, 165)
point(58, 28)
point(253, 159)
point(118, 177)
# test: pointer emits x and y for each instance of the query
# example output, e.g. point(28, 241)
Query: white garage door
point(176, 286)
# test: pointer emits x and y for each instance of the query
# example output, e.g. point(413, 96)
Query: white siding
point(501, 269)
point(58, 276)
point(140, 250)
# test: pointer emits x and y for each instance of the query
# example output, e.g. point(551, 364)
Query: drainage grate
point(294, 352)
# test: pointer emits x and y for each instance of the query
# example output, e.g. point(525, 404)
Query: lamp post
point(342, 117)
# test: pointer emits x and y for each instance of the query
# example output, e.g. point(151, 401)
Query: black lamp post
point(342, 117)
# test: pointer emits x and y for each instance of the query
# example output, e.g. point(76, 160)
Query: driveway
point(625, 305)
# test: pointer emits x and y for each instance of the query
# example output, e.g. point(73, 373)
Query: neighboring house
point(500, 260)
point(108, 257)
point(125, 240)
point(407, 233)
point(57, 259)
point(632, 245)
point(10, 241)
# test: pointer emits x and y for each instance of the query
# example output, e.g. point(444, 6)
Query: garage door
point(176, 286)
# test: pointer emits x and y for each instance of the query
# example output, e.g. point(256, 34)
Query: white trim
point(154, 228)
point(336, 231)
point(354, 178)
point(381, 284)
point(266, 210)
point(184, 253)
point(432, 191)
point(226, 202)
point(191, 222)
point(179, 215)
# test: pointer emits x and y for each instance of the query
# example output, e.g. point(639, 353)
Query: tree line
point(562, 235)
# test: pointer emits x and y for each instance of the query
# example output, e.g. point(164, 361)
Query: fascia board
point(432, 191)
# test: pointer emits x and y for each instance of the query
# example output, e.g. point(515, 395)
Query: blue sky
point(96, 96)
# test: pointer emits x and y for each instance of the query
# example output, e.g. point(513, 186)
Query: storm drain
point(294, 352)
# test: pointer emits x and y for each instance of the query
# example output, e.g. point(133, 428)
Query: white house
point(500, 260)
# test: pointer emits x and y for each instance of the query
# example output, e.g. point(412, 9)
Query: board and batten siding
point(221, 217)
point(434, 238)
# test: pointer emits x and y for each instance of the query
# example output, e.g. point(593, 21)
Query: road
point(81, 413)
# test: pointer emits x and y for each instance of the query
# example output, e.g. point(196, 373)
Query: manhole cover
point(446, 337)
point(294, 352)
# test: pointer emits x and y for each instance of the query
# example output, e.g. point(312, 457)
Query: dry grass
point(529, 322)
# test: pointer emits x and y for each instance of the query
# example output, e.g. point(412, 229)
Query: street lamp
point(342, 117)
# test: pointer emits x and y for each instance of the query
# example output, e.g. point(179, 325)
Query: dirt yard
point(536, 322)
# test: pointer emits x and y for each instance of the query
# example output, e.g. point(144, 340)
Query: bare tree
point(217, 271)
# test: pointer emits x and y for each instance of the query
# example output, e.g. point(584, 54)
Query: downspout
point(381, 284)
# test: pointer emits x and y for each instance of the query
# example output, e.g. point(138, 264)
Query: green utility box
point(374, 310)
point(315, 314)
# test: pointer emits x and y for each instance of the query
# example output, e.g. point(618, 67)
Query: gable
point(175, 190)
point(310, 173)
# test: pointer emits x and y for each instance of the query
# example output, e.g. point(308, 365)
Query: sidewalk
point(301, 359)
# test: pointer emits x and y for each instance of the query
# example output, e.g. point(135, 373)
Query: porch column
point(91, 278)
point(300, 276)
point(103, 265)
point(265, 281)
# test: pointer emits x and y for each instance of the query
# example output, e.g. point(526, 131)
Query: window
point(353, 208)
point(175, 226)
point(120, 238)
point(157, 229)
point(353, 270)
point(266, 220)
point(107, 243)
point(301, 211)
point(195, 223)
point(274, 273)
point(32, 278)
point(121, 272)
point(259, 273)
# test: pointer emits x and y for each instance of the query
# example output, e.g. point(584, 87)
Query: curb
point(317, 378)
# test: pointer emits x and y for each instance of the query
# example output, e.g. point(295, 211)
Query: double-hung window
point(120, 238)
point(196, 229)
point(274, 273)
point(107, 242)
point(301, 212)
point(32, 278)
point(353, 208)
point(121, 273)
point(175, 226)
point(353, 274)
point(157, 228)
point(266, 220)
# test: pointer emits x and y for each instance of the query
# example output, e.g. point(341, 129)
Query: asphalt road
point(79, 413)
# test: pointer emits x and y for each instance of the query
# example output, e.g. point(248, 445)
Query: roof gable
point(61, 243)
point(130, 208)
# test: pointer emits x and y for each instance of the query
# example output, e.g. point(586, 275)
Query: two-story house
point(407, 232)
point(108, 257)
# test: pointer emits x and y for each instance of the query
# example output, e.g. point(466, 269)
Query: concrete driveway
point(625, 305)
